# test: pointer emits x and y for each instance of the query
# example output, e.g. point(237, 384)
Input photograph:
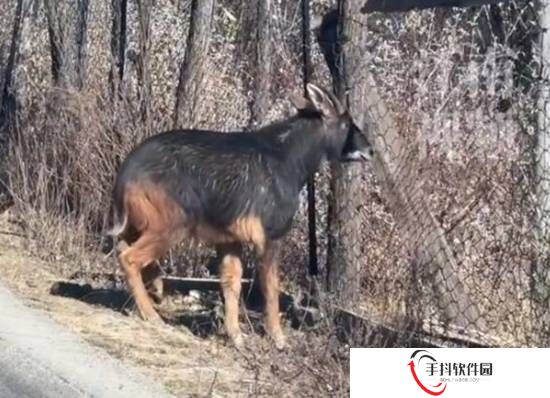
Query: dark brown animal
point(226, 189)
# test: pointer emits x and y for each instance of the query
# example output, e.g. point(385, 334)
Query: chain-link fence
point(452, 234)
point(446, 228)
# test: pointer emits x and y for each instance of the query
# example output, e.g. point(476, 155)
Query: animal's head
point(343, 139)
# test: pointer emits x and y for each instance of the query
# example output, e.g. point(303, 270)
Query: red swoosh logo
point(427, 390)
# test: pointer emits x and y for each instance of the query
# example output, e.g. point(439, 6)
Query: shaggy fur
point(227, 189)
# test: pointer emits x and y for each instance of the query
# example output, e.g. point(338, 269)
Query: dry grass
point(189, 366)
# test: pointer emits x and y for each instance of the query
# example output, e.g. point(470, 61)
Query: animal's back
point(215, 178)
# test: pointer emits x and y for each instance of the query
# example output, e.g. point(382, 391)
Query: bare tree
point(192, 68)
point(262, 65)
point(7, 98)
point(255, 54)
point(56, 37)
point(81, 39)
point(144, 60)
point(68, 40)
point(542, 157)
point(119, 10)
point(344, 227)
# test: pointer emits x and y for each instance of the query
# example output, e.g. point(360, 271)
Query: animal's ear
point(326, 103)
point(300, 102)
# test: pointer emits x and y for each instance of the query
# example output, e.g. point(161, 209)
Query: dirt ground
point(203, 364)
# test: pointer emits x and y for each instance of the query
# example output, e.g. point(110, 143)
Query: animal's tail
point(119, 227)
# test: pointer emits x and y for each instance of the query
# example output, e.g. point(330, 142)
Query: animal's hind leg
point(133, 259)
point(151, 274)
point(152, 279)
point(231, 272)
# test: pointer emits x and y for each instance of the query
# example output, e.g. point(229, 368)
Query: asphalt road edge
point(42, 343)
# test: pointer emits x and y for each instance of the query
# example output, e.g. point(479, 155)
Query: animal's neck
point(303, 148)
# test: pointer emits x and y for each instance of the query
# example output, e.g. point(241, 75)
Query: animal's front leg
point(231, 272)
point(269, 280)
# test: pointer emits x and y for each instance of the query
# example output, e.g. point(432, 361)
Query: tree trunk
point(262, 68)
point(7, 99)
point(192, 68)
point(344, 227)
point(144, 60)
point(541, 277)
point(118, 44)
point(57, 50)
point(68, 40)
point(81, 41)
point(255, 57)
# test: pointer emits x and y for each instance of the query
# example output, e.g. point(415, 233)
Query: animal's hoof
point(237, 339)
point(152, 317)
point(280, 342)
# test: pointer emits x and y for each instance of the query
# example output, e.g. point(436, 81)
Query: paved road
point(22, 377)
point(38, 358)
